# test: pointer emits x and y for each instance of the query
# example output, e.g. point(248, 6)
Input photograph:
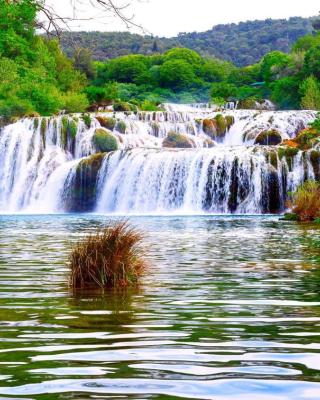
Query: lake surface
point(228, 309)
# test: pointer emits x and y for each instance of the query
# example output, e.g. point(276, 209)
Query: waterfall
point(53, 164)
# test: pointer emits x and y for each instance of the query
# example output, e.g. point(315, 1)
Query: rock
point(217, 126)
point(121, 127)
point(107, 122)
point(82, 197)
point(176, 141)
point(209, 127)
point(268, 138)
point(105, 141)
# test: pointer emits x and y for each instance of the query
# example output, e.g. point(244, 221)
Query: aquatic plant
point(110, 257)
point(305, 202)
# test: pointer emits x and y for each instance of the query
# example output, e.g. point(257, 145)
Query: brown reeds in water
point(108, 258)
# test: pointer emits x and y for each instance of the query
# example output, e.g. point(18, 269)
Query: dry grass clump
point(110, 257)
point(305, 202)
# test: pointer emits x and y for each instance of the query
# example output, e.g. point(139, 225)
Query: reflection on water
point(229, 309)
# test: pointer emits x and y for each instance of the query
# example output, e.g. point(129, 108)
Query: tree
point(223, 90)
point(310, 90)
point(176, 74)
point(273, 64)
point(312, 62)
point(82, 61)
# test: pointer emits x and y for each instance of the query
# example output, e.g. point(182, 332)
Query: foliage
point(109, 257)
point(310, 90)
point(242, 44)
point(305, 201)
point(35, 75)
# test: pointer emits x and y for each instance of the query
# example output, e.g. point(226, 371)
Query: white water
point(37, 171)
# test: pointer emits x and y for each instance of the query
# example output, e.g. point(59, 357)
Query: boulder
point(105, 141)
point(268, 138)
point(177, 141)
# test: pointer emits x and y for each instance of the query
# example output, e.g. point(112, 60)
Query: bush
point(75, 102)
point(110, 257)
point(305, 201)
point(105, 141)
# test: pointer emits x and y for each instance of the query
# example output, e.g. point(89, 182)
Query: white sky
point(169, 17)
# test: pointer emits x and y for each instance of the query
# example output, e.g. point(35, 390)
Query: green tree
point(312, 62)
point(310, 90)
point(177, 74)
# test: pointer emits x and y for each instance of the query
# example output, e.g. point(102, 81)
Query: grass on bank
point(305, 203)
point(111, 257)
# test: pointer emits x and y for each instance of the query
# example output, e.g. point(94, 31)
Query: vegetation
point(105, 141)
point(36, 77)
point(305, 202)
point(307, 138)
point(242, 44)
point(110, 257)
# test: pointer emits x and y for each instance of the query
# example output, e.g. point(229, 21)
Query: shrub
point(105, 141)
point(75, 102)
point(305, 201)
point(110, 257)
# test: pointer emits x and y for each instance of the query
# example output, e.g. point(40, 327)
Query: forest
point(38, 78)
point(242, 44)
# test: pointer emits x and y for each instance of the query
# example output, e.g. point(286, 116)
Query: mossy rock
point(290, 217)
point(287, 152)
point(83, 195)
point(176, 141)
point(121, 127)
point(230, 121)
point(315, 161)
point(107, 122)
point(105, 141)
point(221, 124)
point(87, 119)
point(209, 127)
point(268, 138)
point(247, 104)
point(122, 106)
point(307, 138)
point(273, 159)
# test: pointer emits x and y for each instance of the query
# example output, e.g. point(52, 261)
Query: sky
point(169, 17)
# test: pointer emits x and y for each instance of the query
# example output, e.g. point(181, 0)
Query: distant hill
point(243, 44)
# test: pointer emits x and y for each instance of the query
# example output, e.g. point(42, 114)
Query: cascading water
point(53, 165)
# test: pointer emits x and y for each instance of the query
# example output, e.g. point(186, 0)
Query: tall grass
point(110, 257)
point(305, 201)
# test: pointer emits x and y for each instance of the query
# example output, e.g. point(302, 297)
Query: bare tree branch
point(53, 23)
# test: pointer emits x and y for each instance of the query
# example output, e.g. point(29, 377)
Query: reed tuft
point(108, 258)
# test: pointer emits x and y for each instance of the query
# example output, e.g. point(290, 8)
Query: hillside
point(243, 44)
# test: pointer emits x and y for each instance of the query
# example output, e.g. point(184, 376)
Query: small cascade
point(219, 180)
point(56, 165)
